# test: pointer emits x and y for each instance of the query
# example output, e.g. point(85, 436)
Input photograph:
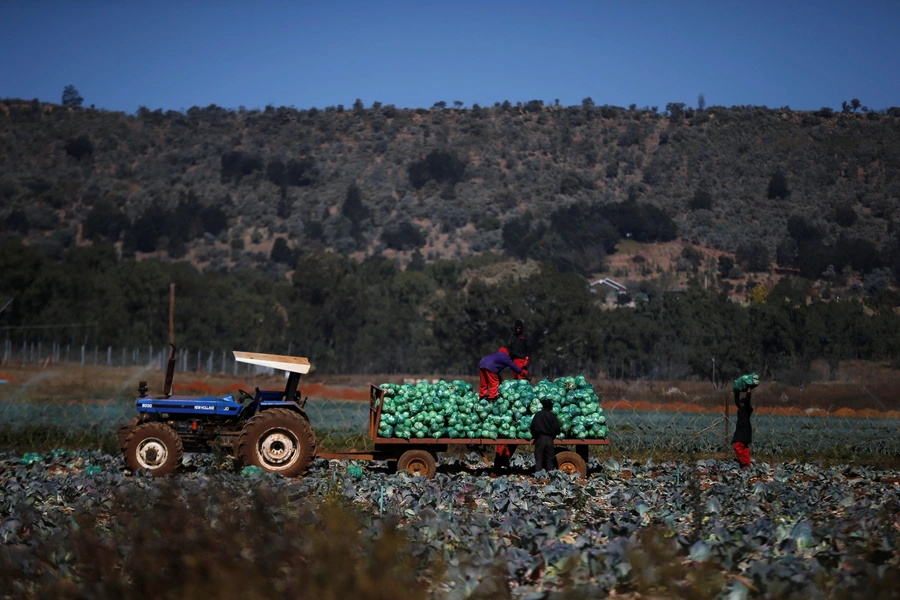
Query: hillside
point(251, 189)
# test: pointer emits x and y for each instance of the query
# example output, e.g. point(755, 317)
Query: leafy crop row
point(73, 524)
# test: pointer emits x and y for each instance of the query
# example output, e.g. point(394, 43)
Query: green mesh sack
point(746, 382)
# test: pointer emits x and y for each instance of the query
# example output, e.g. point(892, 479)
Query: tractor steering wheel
point(244, 395)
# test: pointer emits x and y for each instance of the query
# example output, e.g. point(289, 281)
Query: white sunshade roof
point(294, 364)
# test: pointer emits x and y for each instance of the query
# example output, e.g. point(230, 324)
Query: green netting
point(453, 409)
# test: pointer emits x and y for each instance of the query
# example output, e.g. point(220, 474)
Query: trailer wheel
point(278, 441)
point(570, 463)
point(154, 448)
point(418, 462)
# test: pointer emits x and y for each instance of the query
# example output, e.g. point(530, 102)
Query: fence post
point(68, 347)
point(223, 361)
point(82, 356)
point(198, 360)
point(95, 354)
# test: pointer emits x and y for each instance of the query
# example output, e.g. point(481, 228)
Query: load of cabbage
point(454, 410)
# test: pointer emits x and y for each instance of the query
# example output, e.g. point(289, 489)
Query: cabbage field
point(75, 524)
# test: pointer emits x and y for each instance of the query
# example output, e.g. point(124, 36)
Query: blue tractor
point(269, 430)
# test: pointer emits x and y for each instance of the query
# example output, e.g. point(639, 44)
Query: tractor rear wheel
point(154, 448)
point(418, 462)
point(125, 431)
point(277, 440)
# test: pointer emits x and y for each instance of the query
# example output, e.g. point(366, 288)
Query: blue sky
point(174, 55)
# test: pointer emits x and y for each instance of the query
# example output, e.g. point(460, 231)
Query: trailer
point(271, 430)
point(418, 456)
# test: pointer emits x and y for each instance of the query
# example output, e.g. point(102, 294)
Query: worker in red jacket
point(490, 367)
point(520, 349)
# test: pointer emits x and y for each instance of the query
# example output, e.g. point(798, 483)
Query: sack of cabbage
point(745, 383)
point(454, 410)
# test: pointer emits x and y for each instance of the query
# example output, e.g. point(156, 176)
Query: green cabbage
point(453, 409)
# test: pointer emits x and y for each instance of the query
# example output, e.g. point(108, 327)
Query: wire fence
point(37, 353)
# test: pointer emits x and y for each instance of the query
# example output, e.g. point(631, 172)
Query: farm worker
point(520, 348)
point(490, 367)
point(743, 431)
point(544, 427)
point(520, 353)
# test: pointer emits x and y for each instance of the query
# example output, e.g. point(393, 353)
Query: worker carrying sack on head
point(743, 431)
point(520, 349)
point(490, 367)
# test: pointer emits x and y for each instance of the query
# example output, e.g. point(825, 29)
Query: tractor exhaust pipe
point(170, 372)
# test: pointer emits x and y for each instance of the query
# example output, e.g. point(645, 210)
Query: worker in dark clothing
point(743, 431)
point(544, 428)
point(520, 348)
point(490, 367)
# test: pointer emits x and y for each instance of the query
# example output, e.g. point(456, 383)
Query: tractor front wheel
point(277, 440)
point(154, 448)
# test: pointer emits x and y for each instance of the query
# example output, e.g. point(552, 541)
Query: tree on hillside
point(675, 110)
point(354, 210)
point(702, 200)
point(758, 294)
point(79, 147)
point(844, 215)
point(778, 186)
point(753, 256)
point(403, 236)
point(71, 98)
point(281, 252)
point(442, 166)
point(725, 265)
point(104, 223)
